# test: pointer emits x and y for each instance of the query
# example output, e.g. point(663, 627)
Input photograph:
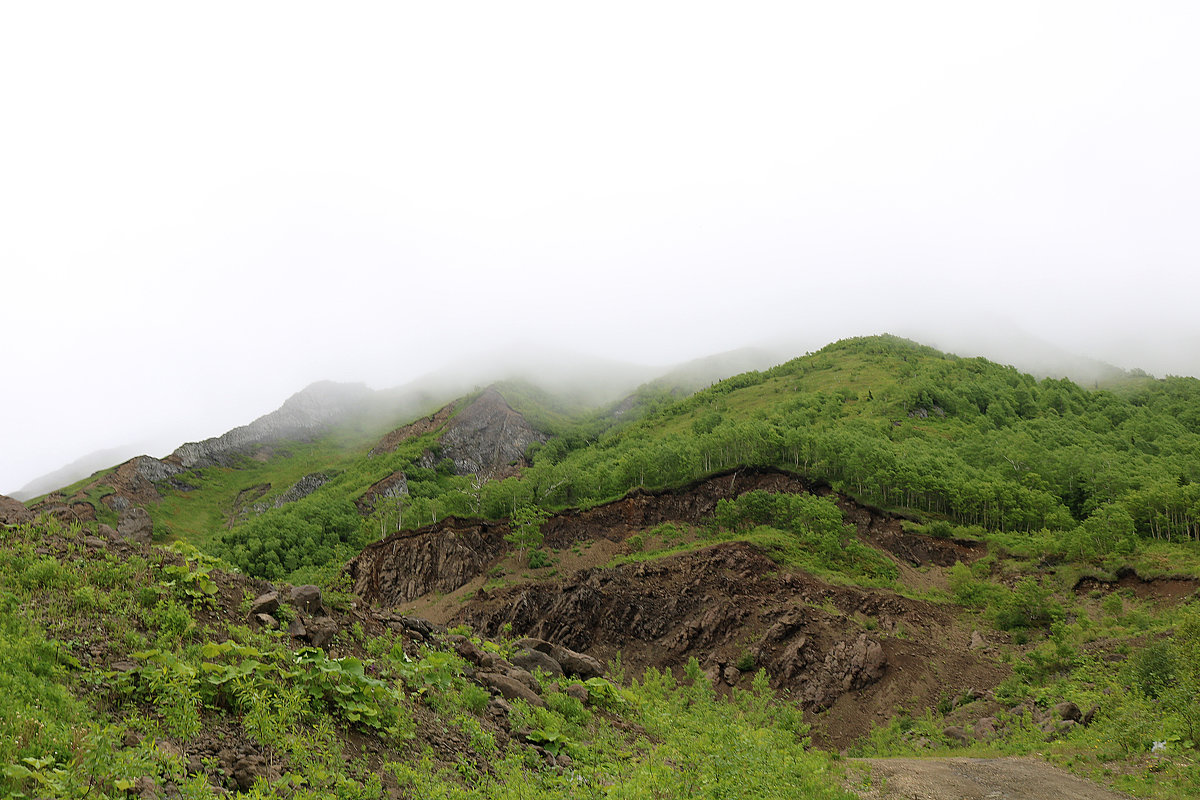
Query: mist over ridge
point(582, 380)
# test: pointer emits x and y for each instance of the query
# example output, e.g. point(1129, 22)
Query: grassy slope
point(373, 716)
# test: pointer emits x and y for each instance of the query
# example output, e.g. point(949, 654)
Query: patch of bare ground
point(851, 656)
point(1167, 590)
point(1013, 778)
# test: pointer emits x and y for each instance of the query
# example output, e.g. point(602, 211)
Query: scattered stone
point(135, 525)
point(321, 630)
point(265, 604)
point(579, 692)
point(1067, 710)
point(524, 677)
point(296, 627)
point(267, 621)
point(131, 739)
point(531, 660)
point(977, 641)
point(106, 531)
point(511, 689)
point(307, 598)
point(957, 734)
point(1090, 715)
point(731, 674)
point(563, 761)
point(95, 542)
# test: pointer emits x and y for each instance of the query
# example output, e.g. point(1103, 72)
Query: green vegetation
point(1060, 484)
point(70, 726)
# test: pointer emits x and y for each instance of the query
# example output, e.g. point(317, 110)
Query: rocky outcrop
point(13, 512)
point(443, 557)
point(850, 664)
point(399, 436)
point(440, 558)
point(297, 491)
point(667, 611)
point(393, 485)
point(487, 437)
point(306, 414)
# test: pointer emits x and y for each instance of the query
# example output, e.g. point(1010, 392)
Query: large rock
point(533, 660)
point(570, 662)
point(851, 664)
point(307, 598)
point(487, 436)
point(13, 512)
point(320, 631)
point(511, 689)
point(135, 525)
point(265, 604)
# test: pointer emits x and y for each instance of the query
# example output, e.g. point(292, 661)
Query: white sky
point(204, 207)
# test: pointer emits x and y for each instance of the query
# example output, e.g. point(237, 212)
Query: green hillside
point(1076, 512)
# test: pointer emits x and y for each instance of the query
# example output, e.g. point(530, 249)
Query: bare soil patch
point(1014, 778)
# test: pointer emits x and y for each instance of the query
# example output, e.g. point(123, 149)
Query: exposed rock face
point(443, 557)
point(487, 436)
point(663, 612)
point(297, 491)
point(13, 512)
point(393, 485)
point(394, 439)
point(304, 415)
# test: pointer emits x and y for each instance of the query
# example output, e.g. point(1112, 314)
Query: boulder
point(106, 531)
point(524, 677)
point(1067, 710)
point(579, 692)
point(532, 660)
point(307, 598)
point(569, 661)
point(984, 728)
point(296, 627)
point(135, 525)
point(265, 604)
point(267, 621)
point(511, 689)
point(320, 631)
point(466, 648)
point(580, 665)
point(956, 734)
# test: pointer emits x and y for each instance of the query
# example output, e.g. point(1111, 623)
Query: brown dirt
point(969, 779)
point(851, 656)
point(1167, 590)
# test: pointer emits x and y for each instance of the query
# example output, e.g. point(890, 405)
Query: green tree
point(526, 528)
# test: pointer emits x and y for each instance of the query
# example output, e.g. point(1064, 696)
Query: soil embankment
point(853, 654)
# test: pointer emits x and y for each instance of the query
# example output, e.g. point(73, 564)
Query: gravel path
point(970, 778)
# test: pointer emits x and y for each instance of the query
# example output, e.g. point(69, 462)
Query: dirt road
point(968, 779)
